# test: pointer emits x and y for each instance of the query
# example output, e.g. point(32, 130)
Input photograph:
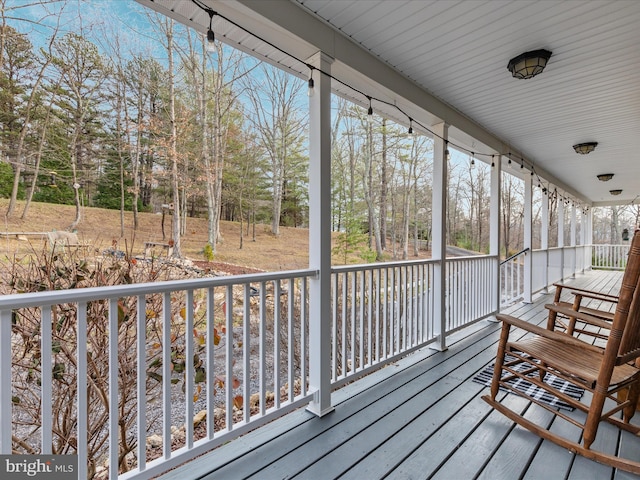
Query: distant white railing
point(126, 362)
point(610, 257)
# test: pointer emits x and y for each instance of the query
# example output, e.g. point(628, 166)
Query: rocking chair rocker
point(601, 371)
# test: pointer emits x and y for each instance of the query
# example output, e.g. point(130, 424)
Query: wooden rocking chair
point(594, 322)
point(602, 371)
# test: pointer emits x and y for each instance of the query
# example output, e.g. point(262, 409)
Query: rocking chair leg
point(593, 417)
point(630, 410)
point(497, 369)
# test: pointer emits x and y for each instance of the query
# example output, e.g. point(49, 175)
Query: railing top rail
point(515, 255)
point(470, 257)
point(403, 263)
point(53, 297)
point(370, 266)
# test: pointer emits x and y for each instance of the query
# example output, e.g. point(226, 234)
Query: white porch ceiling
point(446, 60)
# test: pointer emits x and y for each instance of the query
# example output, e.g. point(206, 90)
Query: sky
point(125, 19)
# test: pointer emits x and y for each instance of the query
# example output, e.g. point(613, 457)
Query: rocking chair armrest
point(585, 292)
point(596, 296)
point(543, 332)
point(582, 316)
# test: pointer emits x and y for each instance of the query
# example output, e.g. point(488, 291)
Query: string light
point(472, 159)
point(311, 84)
point(210, 45)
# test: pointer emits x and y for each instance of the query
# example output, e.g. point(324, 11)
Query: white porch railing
point(512, 278)
point(613, 257)
point(384, 311)
point(471, 290)
point(122, 363)
point(131, 362)
point(380, 312)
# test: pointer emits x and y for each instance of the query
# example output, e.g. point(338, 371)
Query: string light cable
point(368, 98)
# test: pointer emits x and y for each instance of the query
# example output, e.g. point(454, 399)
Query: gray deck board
point(419, 418)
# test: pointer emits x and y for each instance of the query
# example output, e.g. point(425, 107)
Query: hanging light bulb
point(493, 163)
point(211, 46)
point(370, 112)
point(472, 159)
point(410, 132)
point(311, 85)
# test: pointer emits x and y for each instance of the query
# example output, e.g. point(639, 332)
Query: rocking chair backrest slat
point(625, 330)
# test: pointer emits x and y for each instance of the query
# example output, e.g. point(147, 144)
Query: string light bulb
point(472, 159)
point(410, 132)
point(311, 85)
point(370, 111)
point(211, 37)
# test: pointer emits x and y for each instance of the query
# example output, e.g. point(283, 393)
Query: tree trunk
point(173, 149)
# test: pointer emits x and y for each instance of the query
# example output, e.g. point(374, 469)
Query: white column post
point(494, 227)
point(320, 235)
point(6, 411)
point(528, 234)
point(544, 239)
point(574, 223)
point(439, 228)
point(561, 235)
point(589, 238)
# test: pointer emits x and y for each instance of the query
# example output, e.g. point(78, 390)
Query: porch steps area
point(419, 418)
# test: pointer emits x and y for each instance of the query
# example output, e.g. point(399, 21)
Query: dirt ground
point(100, 229)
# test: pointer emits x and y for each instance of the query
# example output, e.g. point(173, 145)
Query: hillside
point(101, 227)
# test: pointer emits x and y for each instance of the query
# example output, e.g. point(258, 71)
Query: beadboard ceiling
point(456, 53)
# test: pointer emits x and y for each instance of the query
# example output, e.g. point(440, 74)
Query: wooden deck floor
point(420, 418)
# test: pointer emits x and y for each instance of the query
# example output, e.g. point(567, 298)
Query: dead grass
point(101, 227)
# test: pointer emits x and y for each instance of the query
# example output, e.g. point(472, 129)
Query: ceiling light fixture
point(615, 192)
point(529, 64)
point(605, 177)
point(584, 148)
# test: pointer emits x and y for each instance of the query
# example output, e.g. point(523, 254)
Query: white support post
point(561, 236)
point(589, 238)
point(544, 239)
point(439, 228)
point(320, 235)
point(574, 223)
point(528, 234)
point(494, 227)
point(6, 419)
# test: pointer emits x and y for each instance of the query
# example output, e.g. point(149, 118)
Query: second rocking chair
point(610, 375)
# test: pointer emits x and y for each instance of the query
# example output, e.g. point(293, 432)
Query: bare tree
point(273, 95)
